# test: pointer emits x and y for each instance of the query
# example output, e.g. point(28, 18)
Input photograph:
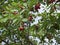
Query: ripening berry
point(21, 28)
point(15, 12)
point(30, 18)
point(37, 6)
point(51, 1)
point(44, 0)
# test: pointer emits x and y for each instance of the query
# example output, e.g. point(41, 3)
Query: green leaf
point(24, 20)
point(3, 19)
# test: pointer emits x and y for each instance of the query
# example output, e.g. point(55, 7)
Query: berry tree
point(16, 17)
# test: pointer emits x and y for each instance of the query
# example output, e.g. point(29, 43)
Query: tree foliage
point(16, 19)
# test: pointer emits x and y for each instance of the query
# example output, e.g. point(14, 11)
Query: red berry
point(21, 28)
point(37, 6)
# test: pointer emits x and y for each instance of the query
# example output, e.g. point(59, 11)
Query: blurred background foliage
point(16, 19)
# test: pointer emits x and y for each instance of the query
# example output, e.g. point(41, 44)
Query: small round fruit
point(30, 18)
point(21, 28)
point(51, 1)
point(15, 12)
point(37, 6)
point(44, 0)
